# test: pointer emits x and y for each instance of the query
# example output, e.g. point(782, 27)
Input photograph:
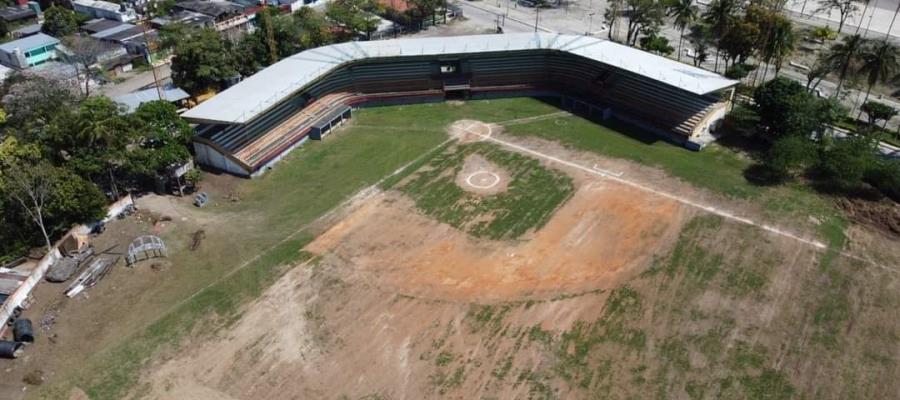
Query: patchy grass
point(716, 168)
point(304, 186)
point(533, 193)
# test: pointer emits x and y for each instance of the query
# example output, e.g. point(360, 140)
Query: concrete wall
point(24, 290)
point(208, 156)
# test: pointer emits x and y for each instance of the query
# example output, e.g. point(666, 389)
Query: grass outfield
point(316, 178)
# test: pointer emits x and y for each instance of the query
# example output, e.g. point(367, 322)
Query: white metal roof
point(254, 95)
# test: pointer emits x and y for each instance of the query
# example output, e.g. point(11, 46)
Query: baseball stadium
point(498, 216)
point(250, 126)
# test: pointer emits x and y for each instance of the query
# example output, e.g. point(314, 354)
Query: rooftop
point(98, 4)
point(184, 16)
point(133, 100)
point(99, 25)
point(29, 42)
point(27, 30)
point(15, 13)
point(112, 30)
point(256, 94)
point(211, 8)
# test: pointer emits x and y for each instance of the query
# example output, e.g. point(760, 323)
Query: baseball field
point(500, 249)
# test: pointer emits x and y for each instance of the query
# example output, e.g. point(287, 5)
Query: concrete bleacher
point(255, 144)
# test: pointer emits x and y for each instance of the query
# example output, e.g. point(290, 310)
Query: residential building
point(226, 14)
point(104, 9)
point(170, 93)
point(21, 11)
point(189, 18)
point(28, 51)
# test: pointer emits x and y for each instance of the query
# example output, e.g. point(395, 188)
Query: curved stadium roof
point(256, 94)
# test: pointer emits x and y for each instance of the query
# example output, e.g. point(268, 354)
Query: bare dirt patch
point(883, 215)
point(595, 239)
point(480, 176)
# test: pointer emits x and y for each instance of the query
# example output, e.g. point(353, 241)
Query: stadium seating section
point(421, 79)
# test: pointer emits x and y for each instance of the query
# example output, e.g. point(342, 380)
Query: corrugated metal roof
point(133, 100)
point(254, 95)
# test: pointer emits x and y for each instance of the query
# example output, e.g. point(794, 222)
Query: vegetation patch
point(533, 193)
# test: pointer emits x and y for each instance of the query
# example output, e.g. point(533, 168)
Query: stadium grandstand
point(251, 125)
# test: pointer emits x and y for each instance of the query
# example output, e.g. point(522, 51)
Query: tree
point(683, 13)
point(656, 44)
point(160, 8)
point(170, 35)
point(30, 186)
point(202, 61)
point(845, 162)
point(777, 39)
point(786, 108)
point(720, 16)
point(314, 30)
point(92, 141)
point(739, 42)
point(845, 9)
point(701, 37)
point(59, 22)
point(878, 111)
point(879, 62)
point(83, 52)
point(845, 56)
point(612, 14)
point(644, 17)
point(163, 141)
point(820, 69)
point(354, 15)
point(32, 102)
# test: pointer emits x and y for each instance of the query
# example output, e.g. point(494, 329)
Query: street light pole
point(590, 24)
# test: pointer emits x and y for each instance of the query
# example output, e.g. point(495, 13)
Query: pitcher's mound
point(468, 131)
point(480, 176)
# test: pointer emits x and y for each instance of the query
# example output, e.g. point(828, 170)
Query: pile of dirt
point(883, 215)
point(481, 176)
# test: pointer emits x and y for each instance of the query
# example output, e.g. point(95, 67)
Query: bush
point(791, 154)
point(824, 33)
point(846, 161)
point(738, 71)
point(884, 175)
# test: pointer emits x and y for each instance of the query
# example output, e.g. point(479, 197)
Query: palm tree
point(685, 13)
point(879, 61)
point(845, 56)
point(719, 15)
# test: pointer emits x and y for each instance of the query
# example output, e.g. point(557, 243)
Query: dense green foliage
point(67, 151)
point(795, 122)
point(786, 108)
point(203, 60)
point(60, 21)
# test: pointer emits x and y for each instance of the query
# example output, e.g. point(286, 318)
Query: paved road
point(137, 82)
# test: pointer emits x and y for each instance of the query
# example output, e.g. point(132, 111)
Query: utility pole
point(537, 16)
point(143, 24)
